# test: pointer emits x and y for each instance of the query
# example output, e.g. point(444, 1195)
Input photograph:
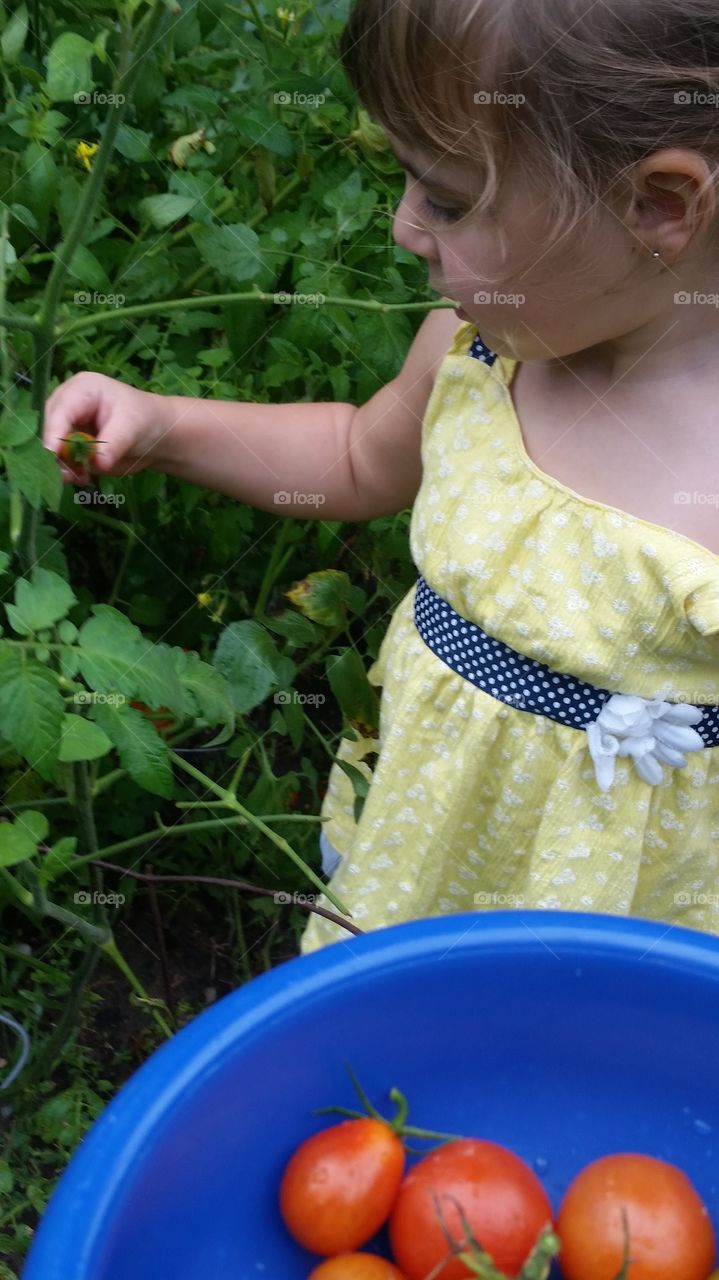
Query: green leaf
point(82, 740)
point(19, 839)
point(356, 696)
point(13, 37)
point(17, 426)
point(34, 471)
point(246, 656)
point(323, 597)
point(353, 207)
point(115, 656)
point(389, 335)
point(69, 67)
point(31, 708)
point(262, 129)
point(67, 632)
point(165, 209)
point(297, 629)
point(210, 697)
point(40, 602)
point(233, 250)
point(142, 750)
point(87, 270)
point(134, 144)
point(25, 216)
point(4, 561)
point(58, 859)
point(360, 785)
point(38, 183)
point(6, 1178)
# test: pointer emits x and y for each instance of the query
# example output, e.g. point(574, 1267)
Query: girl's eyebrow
point(427, 179)
point(411, 169)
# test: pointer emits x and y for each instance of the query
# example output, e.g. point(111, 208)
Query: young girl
point(549, 729)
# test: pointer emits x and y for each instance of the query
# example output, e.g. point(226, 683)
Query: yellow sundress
point(477, 805)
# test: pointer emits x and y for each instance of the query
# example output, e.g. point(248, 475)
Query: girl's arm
point(329, 461)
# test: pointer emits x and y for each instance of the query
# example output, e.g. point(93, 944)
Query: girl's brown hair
point(575, 91)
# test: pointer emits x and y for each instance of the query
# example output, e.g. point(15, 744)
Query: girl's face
point(527, 302)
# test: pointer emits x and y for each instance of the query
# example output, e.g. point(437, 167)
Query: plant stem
point(260, 890)
point(19, 322)
point(233, 803)
point(44, 337)
point(35, 804)
point(182, 829)
point(4, 358)
point(130, 544)
point(85, 211)
point(111, 950)
point(164, 966)
point(271, 570)
point(261, 28)
point(41, 1067)
point(222, 299)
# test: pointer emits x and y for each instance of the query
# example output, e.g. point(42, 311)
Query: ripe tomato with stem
point(628, 1216)
point(79, 449)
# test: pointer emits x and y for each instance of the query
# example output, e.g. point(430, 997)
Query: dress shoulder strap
point(480, 351)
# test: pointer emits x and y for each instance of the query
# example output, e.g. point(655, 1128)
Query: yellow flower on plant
point(204, 599)
point(286, 16)
point(84, 152)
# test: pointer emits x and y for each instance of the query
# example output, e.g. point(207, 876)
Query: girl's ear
point(674, 201)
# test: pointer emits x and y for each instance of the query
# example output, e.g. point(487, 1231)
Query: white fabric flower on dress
point(649, 730)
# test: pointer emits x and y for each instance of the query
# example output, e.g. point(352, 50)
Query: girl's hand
point(127, 423)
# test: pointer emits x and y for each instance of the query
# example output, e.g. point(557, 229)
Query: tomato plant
point(669, 1233)
point(140, 241)
point(340, 1185)
point(471, 1184)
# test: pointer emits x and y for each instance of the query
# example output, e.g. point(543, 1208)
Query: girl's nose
point(409, 234)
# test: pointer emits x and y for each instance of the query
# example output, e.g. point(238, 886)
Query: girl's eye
point(442, 213)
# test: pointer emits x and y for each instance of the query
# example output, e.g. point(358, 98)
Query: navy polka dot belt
point(653, 732)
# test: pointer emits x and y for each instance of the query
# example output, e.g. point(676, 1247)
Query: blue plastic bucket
point(562, 1035)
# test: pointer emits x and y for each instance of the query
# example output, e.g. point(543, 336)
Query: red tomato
point(356, 1266)
point(339, 1186)
point(151, 713)
point(502, 1199)
point(670, 1234)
